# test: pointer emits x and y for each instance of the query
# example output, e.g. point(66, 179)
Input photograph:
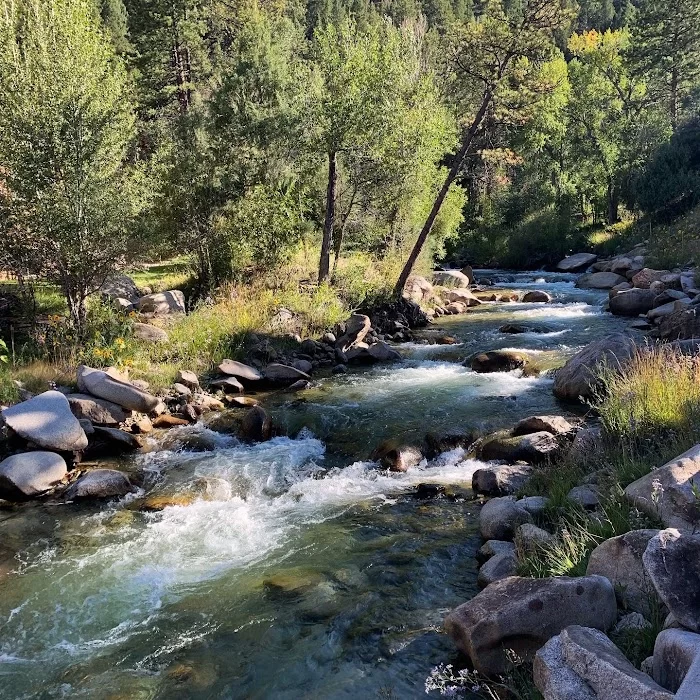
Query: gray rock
point(632, 302)
point(530, 538)
point(104, 386)
point(87, 426)
point(397, 457)
point(591, 655)
point(522, 614)
point(492, 548)
point(554, 678)
point(47, 421)
point(121, 286)
point(500, 517)
point(182, 390)
point(283, 374)
point(576, 262)
point(499, 566)
point(536, 296)
point(619, 559)
point(30, 474)
point(189, 379)
point(666, 309)
point(382, 352)
point(464, 296)
point(356, 328)
point(676, 664)
point(534, 504)
point(116, 441)
point(97, 411)
point(557, 425)
point(668, 492)
point(533, 448)
point(632, 622)
point(100, 483)
point(122, 305)
point(228, 385)
point(672, 561)
point(501, 480)
point(171, 302)
point(578, 378)
point(303, 366)
point(586, 496)
point(149, 333)
point(450, 278)
point(239, 370)
point(600, 280)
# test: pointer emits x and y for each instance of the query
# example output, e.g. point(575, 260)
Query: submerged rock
point(100, 483)
point(256, 425)
point(30, 474)
point(498, 361)
point(537, 296)
point(396, 457)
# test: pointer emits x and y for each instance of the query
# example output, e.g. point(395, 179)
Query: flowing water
point(293, 568)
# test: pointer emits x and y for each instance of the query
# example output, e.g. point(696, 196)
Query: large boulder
point(676, 664)
point(600, 280)
point(521, 614)
point(595, 659)
point(97, 411)
point(672, 561)
point(669, 492)
point(556, 425)
point(450, 278)
point(554, 678)
point(163, 303)
point(356, 329)
point(671, 307)
point(418, 289)
point(501, 479)
point(578, 378)
point(533, 448)
point(100, 483)
point(380, 352)
point(500, 518)
point(121, 287)
point(232, 368)
point(619, 559)
point(30, 474)
point(149, 334)
point(576, 262)
point(119, 391)
point(499, 566)
point(632, 302)
point(498, 361)
point(462, 295)
point(106, 442)
point(681, 324)
point(283, 374)
point(646, 277)
point(47, 421)
point(536, 296)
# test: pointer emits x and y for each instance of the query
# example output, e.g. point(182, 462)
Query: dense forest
point(237, 131)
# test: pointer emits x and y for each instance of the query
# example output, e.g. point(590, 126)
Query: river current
point(293, 568)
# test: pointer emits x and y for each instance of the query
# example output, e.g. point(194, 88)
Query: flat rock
point(497, 567)
point(283, 374)
point(170, 302)
point(668, 492)
point(501, 479)
point(498, 361)
point(464, 296)
point(591, 655)
point(228, 385)
point(189, 379)
point(556, 425)
point(676, 662)
point(578, 378)
point(672, 561)
point(500, 517)
point(247, 401)
point(97, 411)
point(167, 420)
point(100, 483)
point(554, 678)
point(600, 280)
point(30, 474)
point(576, 262)
point(240, 370)
point(119, 391)
point(533, 448)
point(522, 614)
point(619, 559)
point(47, 421)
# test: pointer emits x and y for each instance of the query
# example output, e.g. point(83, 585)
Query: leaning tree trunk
point(451, 177)
point(329, 222)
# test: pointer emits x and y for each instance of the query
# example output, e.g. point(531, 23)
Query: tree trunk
point(674, 98)
point(613, 203)
point(77, 308)
point(467, 140)
point(329, 222)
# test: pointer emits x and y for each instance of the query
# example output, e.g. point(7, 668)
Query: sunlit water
point(296, 569)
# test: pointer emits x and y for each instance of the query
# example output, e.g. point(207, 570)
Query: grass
point(162, 276)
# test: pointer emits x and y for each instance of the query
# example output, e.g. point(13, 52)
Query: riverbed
point(294, 568)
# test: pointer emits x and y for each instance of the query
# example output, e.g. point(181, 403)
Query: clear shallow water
point(293, 568)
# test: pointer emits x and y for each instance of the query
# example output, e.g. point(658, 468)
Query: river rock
point(530, 538)
point(683, 324)
point(303, 366)
point(239, 370)
point(450, 278)
point(149, 334)
point(578, 377)
point(462, 295)
point(556, 425)
point(100, 483)
point(97, 411)
point(228, 385)
point(554, 678)
point(382, 352)
point(522, 614)
point(576, 262)
point(397, 457)
point(114, 441)
point(645, 277)
point(356, 329)
point(591, 655)
point(124, 394)
point(283, 374)
point(499, 566)
point(498, 361)
point(533, 448)
point(668, 492)
point(501, 480)
point(672, 561)
point(189, 379)
point(517, 328)
point(47, 421)
point(256, 425)
point(659, 312)
point(30, 474)
point(491, 548)
point(171, 302)
point(536, 296)
point(600, 280)
point(181, 390)
point(417, 289)
point(619, 559)
point(632, 302)
point(167, 420)
point(500, 518)
point(676, 663)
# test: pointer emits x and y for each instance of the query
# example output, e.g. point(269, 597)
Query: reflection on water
point(290, 569)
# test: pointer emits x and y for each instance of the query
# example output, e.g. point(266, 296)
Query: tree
point(492, 64)
point(66, 126)
point(666, 51)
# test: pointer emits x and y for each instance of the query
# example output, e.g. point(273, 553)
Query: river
point(298, 570)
